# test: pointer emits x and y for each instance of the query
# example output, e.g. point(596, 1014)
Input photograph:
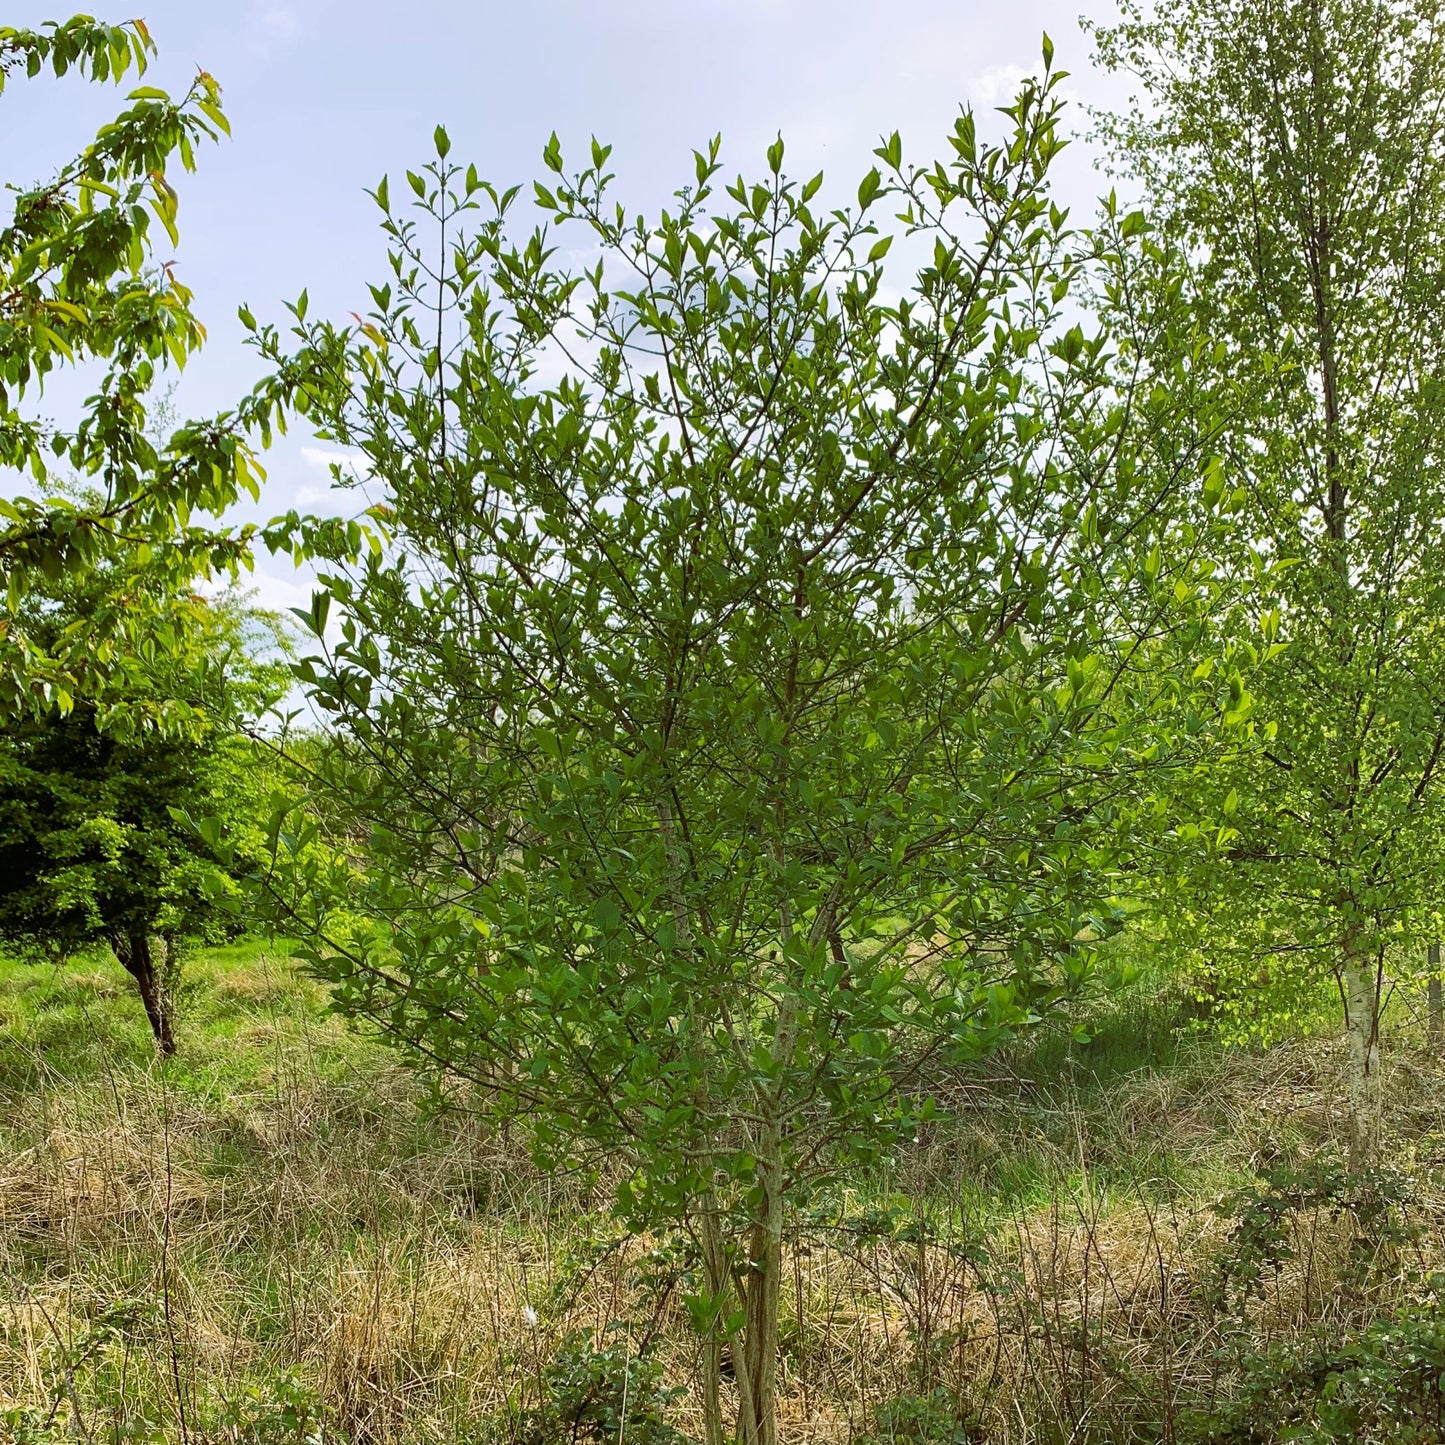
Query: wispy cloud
point(351, 465)
point(997, 85)
point(271, 27)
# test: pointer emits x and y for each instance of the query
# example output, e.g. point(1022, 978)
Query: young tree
point(96, 846)
point(755, 677)
point(1296, 149)
point(79, 284)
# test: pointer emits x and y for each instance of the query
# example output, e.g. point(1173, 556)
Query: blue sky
point(325, 96)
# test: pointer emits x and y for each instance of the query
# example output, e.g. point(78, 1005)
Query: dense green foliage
point(97, 842)
point(760, 714)
point(1293, 152)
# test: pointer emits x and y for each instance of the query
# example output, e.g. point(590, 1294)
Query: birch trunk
point(1436, 998)
point(1362, 995)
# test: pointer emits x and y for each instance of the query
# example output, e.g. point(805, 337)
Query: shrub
point(591, 1394)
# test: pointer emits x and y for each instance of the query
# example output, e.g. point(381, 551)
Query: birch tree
point(1294, 148)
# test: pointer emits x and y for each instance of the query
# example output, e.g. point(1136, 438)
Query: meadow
point(283, 1234)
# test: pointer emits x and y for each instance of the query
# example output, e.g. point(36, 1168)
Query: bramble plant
point(753, 678)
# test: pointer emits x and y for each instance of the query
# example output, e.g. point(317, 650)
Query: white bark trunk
point(1436, 997)
point(1362, 1023)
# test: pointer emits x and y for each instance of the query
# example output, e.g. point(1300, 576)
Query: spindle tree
point(756, 672)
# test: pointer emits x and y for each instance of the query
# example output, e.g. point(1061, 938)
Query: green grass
point(238, 1006)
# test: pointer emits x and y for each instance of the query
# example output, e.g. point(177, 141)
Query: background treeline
point(841, 748)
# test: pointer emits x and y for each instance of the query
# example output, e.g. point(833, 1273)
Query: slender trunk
point(717, 1274)
point(1359, 975)
point(840, 957)
point(1362, 1020)
point(759, 1426)
point(750, 1276)
point(719, 1286)
point(1436, 998)
point(137, 957)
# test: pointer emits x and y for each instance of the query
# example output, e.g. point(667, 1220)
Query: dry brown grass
point(283, 1203)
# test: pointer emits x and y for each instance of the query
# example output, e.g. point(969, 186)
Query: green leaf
point(315, 616)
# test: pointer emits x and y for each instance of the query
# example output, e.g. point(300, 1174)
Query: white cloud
point(271, 27)
point(351, 464)
point(278, 593)
point(327, 457)
point(997, 85)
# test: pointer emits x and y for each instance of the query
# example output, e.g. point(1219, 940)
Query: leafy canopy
point(81, 284)
point(1294, 151)
point(96, 840)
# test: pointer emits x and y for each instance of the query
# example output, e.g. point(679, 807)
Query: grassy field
point(282, 1235)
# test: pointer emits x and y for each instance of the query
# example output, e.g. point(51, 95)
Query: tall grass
point(281, 1235)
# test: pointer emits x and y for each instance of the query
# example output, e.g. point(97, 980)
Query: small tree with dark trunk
point(95, 846)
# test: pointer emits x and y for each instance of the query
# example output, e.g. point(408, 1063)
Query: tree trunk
point(718, 1278)
point(1436, 998)
point(749, 1272)
point(1362, 1021)
point(763, 1289)
point(137, 957)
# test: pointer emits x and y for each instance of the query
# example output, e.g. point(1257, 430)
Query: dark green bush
point(1382, 1385)
point(595, 1395)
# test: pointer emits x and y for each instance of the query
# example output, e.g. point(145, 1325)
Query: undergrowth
point(1119, 1232)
